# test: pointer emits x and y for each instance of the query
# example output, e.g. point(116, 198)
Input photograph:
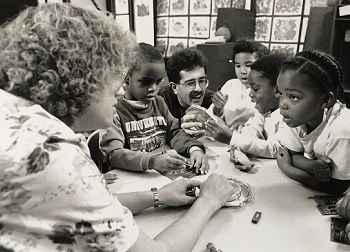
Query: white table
point(290, 221)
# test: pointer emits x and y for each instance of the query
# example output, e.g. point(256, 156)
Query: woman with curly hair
point(60, 67)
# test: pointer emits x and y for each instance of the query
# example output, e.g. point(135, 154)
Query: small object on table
point(245, 194)
point(192, 191)
point(326, 204)
point(237, 192)
point(212, 248)
point(256, 217)
point(338, 233)
point(240, 160)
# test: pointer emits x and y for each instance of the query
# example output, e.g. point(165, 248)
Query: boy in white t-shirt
point(232, 102)
point(261, 134)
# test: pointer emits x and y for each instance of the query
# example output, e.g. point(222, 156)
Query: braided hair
point(323, 69)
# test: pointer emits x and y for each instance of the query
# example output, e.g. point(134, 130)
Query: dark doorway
point(10, 8)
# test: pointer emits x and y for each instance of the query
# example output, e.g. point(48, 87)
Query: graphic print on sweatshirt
point(147, 134)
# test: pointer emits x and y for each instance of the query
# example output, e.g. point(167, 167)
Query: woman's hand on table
point(199, 161)
point(191, 126)
point(174, 193)
point(216, 190)
point(169, 160)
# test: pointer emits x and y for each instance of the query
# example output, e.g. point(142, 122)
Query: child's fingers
point(176, 155)
point(219, 97)
point(110, 176)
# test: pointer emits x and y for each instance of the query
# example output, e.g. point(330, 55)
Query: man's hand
point(191, 126)
point(219, 100)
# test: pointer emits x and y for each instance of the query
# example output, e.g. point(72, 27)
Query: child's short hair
point(146, 53)
point(269, 66)
point(249, 46)
point(186, 59)
point(324, 71)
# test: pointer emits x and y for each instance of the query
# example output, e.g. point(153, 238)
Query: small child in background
point(232, 102)
point(143, 123)
point(260, 135)
point(317, 142)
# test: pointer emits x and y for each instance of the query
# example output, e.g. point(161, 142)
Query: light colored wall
point(82, 3)
point(87, 3)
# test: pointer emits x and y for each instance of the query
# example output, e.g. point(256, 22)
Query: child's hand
point(199, 161)
point(167, 161)
point(219, 100)
point(284, 161)
point(219, 131)
point(322, 169)
point(192, 127)
point(343, 207)
point(110, 177)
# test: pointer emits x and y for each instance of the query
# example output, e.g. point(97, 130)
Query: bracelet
point(155, 196)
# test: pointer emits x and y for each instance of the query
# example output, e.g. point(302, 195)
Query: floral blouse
point(52, 196)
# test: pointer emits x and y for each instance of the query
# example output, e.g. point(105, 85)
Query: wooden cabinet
point(329, 32)
point(241, 24)
point(219, 68)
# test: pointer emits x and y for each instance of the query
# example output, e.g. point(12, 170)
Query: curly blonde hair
point(59, 55)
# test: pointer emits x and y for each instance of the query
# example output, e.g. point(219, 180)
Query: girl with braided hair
point(316, 153)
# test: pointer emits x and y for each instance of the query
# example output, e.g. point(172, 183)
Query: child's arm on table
point(253, 139)
point(186, 145)
point(112, 144)
point(321, 168)
point(167, 161)
point(305, 175)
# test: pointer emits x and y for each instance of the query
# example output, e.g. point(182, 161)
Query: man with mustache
point(186, 70)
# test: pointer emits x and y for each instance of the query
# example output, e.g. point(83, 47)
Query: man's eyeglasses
point(191, 85)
